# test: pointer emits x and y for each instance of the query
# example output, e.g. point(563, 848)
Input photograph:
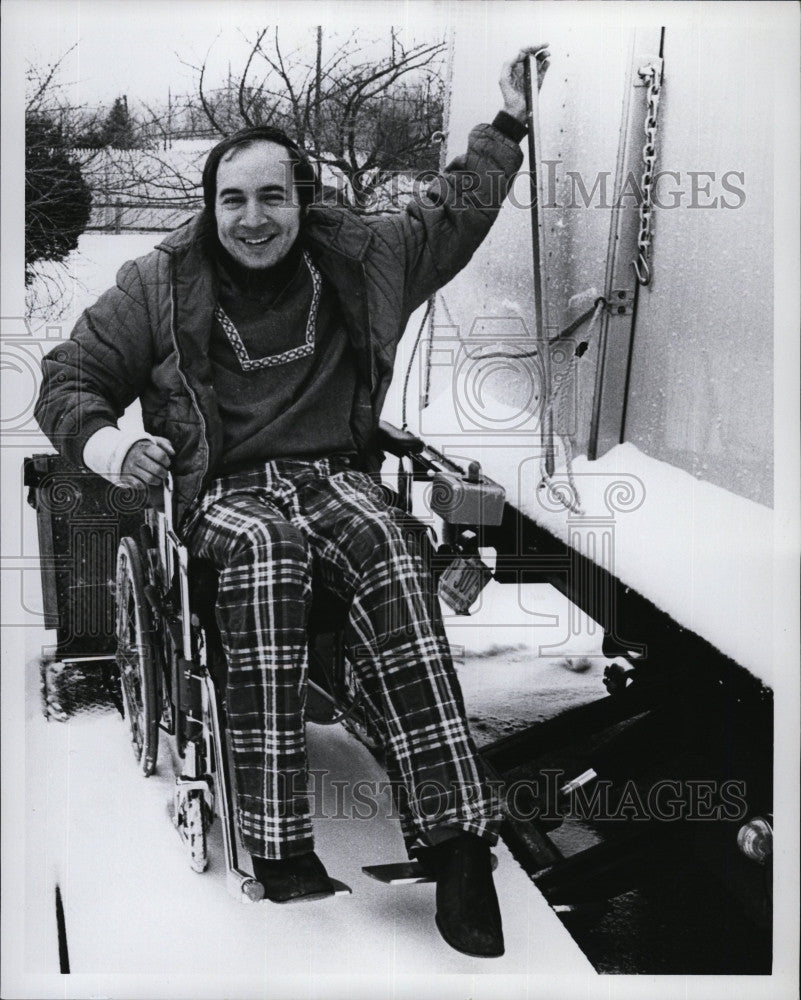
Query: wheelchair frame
point(167, 685)
point(165, 662)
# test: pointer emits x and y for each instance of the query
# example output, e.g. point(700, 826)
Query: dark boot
point(288, 880)
point(468, 915)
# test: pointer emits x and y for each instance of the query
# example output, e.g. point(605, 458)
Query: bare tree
point(366, 119)
point(57, 198)
point(86, 168)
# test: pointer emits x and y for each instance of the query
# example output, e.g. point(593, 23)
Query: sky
point(141, 48)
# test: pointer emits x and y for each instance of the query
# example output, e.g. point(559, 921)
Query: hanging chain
point(653, 74)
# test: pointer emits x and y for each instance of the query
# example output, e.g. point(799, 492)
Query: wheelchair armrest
point(396, 441)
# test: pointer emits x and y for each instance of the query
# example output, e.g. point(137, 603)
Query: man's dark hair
point(304, 177)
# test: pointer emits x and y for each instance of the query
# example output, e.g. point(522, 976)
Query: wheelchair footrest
point(404, 872)
point(401, 873)
point(340, 889)
point(248, 890)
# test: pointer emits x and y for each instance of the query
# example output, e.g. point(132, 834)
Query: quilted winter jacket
point(148, 337)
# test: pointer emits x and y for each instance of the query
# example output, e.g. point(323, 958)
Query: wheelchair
point(172, 666)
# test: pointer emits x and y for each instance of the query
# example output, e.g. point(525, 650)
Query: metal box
point(472, 498)
point(81, 518)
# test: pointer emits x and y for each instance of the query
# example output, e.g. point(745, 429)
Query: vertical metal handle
point(538, 252)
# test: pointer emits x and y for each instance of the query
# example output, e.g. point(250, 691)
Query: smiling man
point(258, 215)
point(261, 338)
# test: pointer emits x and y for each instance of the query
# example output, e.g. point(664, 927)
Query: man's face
point(257, 214)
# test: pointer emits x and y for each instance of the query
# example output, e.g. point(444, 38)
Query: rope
point(446, 125)
point(429, 307)
point(556, 405)
point(426, 397)
point(556, 402)
point(444, 301)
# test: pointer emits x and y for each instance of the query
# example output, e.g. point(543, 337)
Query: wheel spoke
point(134, 657)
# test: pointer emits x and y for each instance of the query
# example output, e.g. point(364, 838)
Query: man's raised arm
point(442, 228)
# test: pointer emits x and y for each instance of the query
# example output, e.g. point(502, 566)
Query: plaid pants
point(268, 531)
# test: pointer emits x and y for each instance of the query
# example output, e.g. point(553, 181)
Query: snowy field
point(92, 268)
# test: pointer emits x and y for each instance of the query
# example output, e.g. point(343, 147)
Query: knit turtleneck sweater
point(282, 364)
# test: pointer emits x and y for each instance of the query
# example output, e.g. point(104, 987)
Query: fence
point(158, 190)
point(142, 189)
point(118, 216)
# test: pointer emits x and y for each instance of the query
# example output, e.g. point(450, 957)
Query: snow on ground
point(92, 268)
point(524, 654)
point(101, 832)
point(139, 922)
point(99, 257)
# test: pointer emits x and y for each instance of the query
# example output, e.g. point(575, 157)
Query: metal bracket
point(643, 63)
point(620, 302)
point(185, 784)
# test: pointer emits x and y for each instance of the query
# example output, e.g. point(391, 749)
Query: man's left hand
point(512, 79)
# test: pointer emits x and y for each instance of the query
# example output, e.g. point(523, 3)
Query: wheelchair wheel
point(136, 656)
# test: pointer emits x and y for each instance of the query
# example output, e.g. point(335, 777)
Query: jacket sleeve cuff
point(105, 451)
point(509, 126)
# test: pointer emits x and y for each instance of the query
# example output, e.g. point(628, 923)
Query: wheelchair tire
point(136, 656)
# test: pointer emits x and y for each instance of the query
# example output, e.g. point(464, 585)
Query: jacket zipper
point(369, 345)
point(192, 505)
